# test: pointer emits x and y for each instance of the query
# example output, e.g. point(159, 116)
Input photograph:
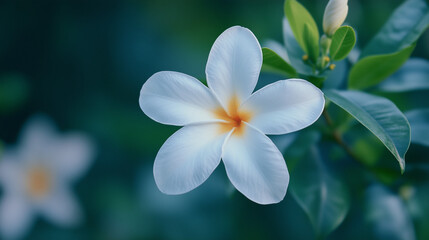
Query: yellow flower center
point(38, 181)
point(234, 117)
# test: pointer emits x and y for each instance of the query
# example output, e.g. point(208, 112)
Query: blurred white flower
point(335, 14)
point(227, 121)
point(36, 176)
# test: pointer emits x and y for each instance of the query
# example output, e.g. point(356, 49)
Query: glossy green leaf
point(387, 215)
point(323, 197)
point(380, 116)
point(293, 49)
point(316, 80)
point(372, 70)
point(419, 121)
point(402, 29)
point(343, 41)
point(274, 63)
point(312, 42)
point(278, 48)
point(298, 17)
point(412, 76)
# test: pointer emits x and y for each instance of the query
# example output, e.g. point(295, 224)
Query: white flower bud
point(335, 14)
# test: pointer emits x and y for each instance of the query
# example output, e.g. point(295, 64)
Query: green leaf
point(419, 121)
point(387, 215)
point(274, 63)
point(412, 76)
point(293, 49)
point(323, 198)
point(380, 116)
point(298, 17)
point(343, 41)
point(368, 150)
point(316, 80)
point(402, 29)
point(312, 42)
point(278, 48)
point(372, 70)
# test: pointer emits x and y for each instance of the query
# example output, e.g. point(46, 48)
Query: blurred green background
point(83, 63)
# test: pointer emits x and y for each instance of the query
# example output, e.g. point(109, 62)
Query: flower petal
point(16, 216)
point(255, 166)
point(11, 173)
point(71, 156)
point(38, 134)
point(175, 98)
point(234, 63)
point(285, 106)
point(188, 158)
point(61, 208)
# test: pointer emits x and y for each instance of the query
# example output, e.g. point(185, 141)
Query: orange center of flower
point(234, 117)
point(38, 181)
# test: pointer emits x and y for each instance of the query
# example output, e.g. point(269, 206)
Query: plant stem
point(340, 141)
point(338, 138)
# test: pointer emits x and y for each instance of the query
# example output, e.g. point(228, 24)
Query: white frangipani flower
point(335, 14)
point(227, 121)
point(35, 177)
